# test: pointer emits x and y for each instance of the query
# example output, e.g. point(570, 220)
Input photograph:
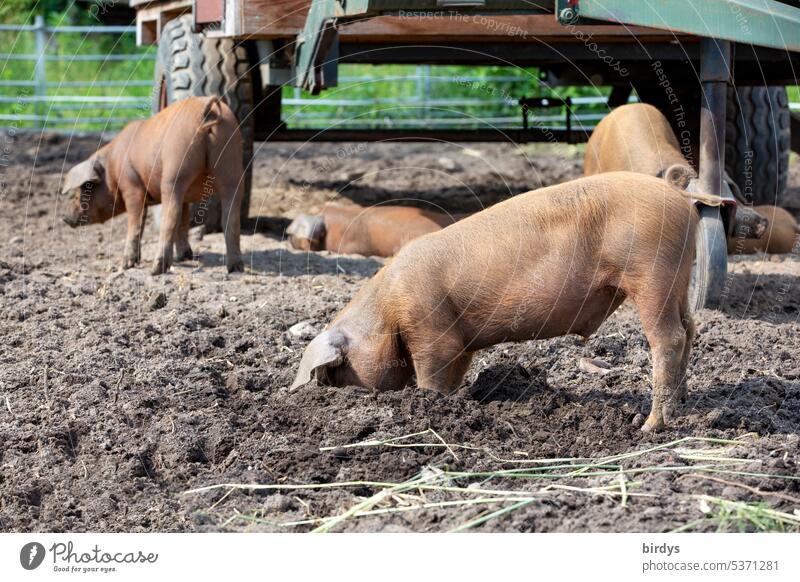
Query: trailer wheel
point(190, 64)
point(758, 141)
point(711, 261)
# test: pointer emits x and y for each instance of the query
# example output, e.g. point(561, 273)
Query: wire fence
point(436, 97)
point(40, 87)
point(58, 78)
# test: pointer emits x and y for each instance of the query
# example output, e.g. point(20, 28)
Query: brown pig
point(780, 236)
point(179, 156)
point(638, 138)
point(375, 231)
point(489, 279)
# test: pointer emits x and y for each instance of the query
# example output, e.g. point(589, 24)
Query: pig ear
point(90, 170)
point(679, 175)
point(327, 349)
point(735, 190)
point(307, 227)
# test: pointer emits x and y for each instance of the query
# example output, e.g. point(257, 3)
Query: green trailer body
point(768, 24)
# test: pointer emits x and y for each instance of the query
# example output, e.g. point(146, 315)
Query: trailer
point(678, 55)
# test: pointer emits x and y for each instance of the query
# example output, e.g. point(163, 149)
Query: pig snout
point(760, 229)
point(78, 214)
point(71, 221)
point(749, 223)
point(307, 232)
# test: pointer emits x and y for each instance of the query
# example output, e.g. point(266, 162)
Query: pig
point(179, 156)
point(638, 138)
point(780, 237)
point(375, 231)
point(488, 279)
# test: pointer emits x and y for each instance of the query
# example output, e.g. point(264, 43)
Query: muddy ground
point(120, 392)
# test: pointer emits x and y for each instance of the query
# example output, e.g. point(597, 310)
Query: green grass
point(427, 84)
point(396, 82)
point(738, 516)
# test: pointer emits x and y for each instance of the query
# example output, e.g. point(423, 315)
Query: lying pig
point(375, 231)
point(638, 138)
point(181, 155)
point(488, 279)
point(780, 236)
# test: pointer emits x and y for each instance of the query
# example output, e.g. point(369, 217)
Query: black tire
point(190, 64)
point(758, 141)
point(711, 261)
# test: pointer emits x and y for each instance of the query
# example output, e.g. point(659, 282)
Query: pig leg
point(183, 250)
point(170, 217)
point(137, 215)
point(667, 337)
point(231, 224)
point(688, 325)
point(440, 369)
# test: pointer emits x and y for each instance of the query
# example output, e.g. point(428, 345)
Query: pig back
point(635, 138)
point(534, 263)
point(378, 230)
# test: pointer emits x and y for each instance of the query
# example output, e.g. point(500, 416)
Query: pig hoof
point(656, 421)
point(236, 267)
point(129, 262)
point(185, 255)
point(160, 266)
point(652, 424)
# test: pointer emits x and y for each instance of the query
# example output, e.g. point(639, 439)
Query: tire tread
point(759, 122)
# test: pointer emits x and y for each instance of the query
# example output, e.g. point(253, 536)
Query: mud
point(121, 392)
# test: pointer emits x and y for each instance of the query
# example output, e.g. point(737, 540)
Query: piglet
point(374, 231)
point(781, 236)
point(551, 262)
point(184, 154)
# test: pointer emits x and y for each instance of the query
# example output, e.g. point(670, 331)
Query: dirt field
point(121, 392)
